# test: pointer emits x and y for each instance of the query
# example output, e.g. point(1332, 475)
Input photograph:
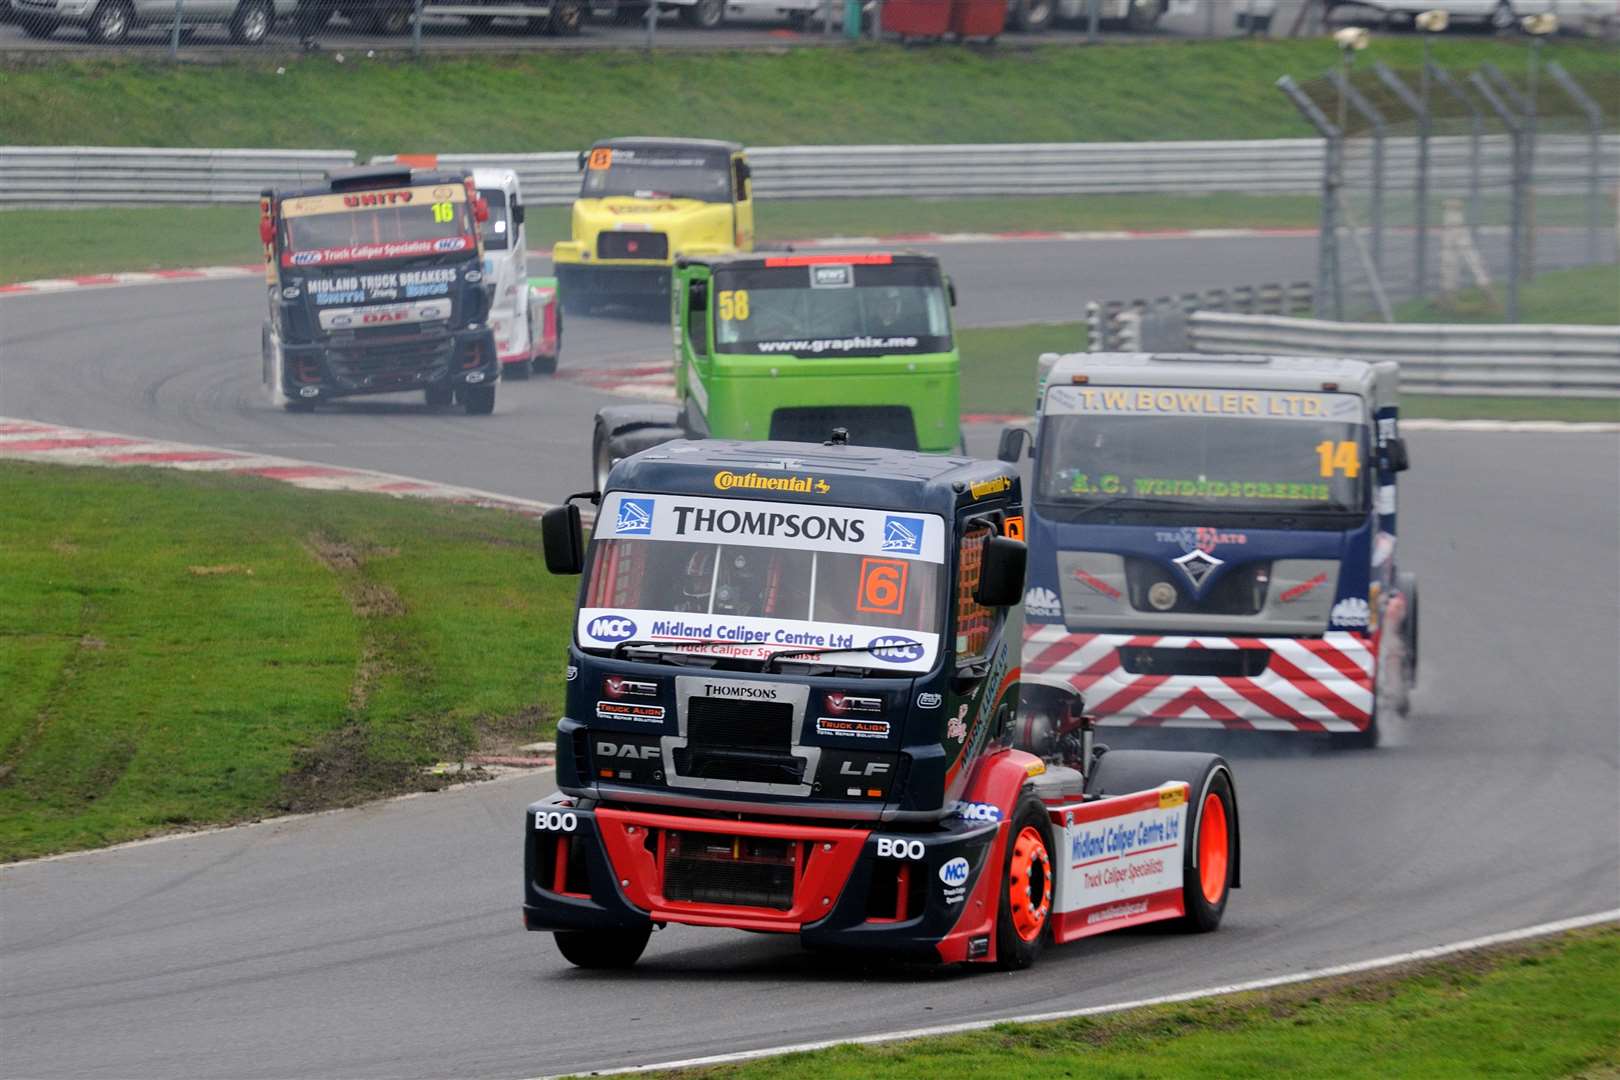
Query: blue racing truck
point(1212, 544)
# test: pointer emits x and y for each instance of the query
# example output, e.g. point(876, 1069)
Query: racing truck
point(641, 203)
point(788, 345)
point(1212, 544)
point(376, 284)
point(791, 708)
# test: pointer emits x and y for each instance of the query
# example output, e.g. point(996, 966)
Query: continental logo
point(985, 488)
point(752, 481)
point(1172, 795)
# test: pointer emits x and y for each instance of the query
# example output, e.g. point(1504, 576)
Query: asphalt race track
point(386, 941)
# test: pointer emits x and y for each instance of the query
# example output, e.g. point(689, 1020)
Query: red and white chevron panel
point(1310, 684)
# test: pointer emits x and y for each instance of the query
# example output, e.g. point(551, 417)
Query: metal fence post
point(1418, 106)
point(1510, 120)
point(416, 29)
point(1329, 287)
point(1370, 112)
point(652, 25)
point(1594, 153)
point(1093, 13)
point(174, 35)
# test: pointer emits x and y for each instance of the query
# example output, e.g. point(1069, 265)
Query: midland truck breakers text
point(791, 708)
point(376, 284)
point(1212, 544)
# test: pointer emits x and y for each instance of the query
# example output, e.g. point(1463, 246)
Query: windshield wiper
point(870, 647)
point(623, 647)
point(1148, 502)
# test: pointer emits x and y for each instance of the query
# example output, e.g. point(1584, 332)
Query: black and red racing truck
point(376, 285)
point(792, 707)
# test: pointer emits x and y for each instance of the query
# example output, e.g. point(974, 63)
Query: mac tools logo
point(1042, 603)
point(903, 535)
point(635, 518)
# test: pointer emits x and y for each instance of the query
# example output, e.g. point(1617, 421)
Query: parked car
point(108, 22)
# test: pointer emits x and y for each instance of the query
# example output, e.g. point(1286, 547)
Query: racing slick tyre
point(478, 400)
point(601, 461)
point(252, 22)
point(567, 16)
point(438, 397)
point(705, 14)
point(1023, 917)
point(111, 22)
point(1030, 16)
point(1206, 886)
point(603, 948)
point(1409, 589)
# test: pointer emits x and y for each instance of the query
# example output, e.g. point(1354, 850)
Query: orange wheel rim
point(1212, 849)
point(1029, 884)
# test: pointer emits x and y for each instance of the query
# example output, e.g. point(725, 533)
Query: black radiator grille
point(1223, 663)
point(746, 871)
point(403, 361)
point(738, 724)
point(632, 245)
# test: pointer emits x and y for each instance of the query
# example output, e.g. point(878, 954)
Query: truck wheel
point(438, 397)
point(110, 24)
point(478, 400)
point(252, 21)
point(1206, 886)
point(601, 461)
point(603, 948)
point(1031, 16)
point(1023, 923)
point(705, 14)
point(1409, 590)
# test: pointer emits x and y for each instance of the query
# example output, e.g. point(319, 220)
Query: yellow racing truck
point(642, 202)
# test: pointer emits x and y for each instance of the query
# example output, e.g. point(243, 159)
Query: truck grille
point(1220, 663)
point(745, 871)
point(401, 362)
point(632, 245)
point(739, 740)
point(1240, 591)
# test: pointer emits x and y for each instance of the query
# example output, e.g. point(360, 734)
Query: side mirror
point(583, 155)
point(517, 214)
point(950, 290)
point(1395, 456)
point(267, 230)
point(563, 539)
point(1001, 574)
point(1011, 447)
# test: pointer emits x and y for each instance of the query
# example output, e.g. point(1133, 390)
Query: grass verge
point(1587, 295)
point(564, 100)
point(63, 243)
point(1544, 1009)
point(186, 649)
point(998, 363)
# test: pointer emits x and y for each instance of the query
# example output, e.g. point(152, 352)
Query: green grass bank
point(184, 649)
point(1545, 1009)
point(1588, 295)
point(564, 100)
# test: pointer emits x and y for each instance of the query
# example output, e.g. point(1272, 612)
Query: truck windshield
point(498, 229)
point(671, 173)
point(363, 225)
point(743, 579)
point(1244, 450)
point(804, 307)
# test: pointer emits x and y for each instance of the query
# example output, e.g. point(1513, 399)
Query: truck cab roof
point(861, 476)
point(647, 142)
point(759, 260)
point(1376, 380)
point(368, 177)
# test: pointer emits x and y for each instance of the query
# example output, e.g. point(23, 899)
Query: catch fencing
point(1565, 361)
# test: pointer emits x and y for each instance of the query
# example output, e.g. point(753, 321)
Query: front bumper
point(593, 867)
point(1321, 684)
point(382, 365)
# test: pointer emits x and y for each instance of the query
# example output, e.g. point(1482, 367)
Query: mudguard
point(1120, 772)
point(616, 420)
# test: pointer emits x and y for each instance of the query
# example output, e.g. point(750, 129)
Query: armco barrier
point(1566, 361)
point(91, 175)
point(69, 175)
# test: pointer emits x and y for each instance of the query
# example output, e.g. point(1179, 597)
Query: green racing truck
point(786, 346)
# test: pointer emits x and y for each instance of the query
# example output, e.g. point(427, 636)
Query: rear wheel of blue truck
point(1023, 918)
point(603, 949)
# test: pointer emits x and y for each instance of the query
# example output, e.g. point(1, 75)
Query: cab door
point(694, 334)
point(742, 194)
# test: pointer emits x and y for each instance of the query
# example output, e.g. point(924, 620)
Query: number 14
point(1344, 457)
